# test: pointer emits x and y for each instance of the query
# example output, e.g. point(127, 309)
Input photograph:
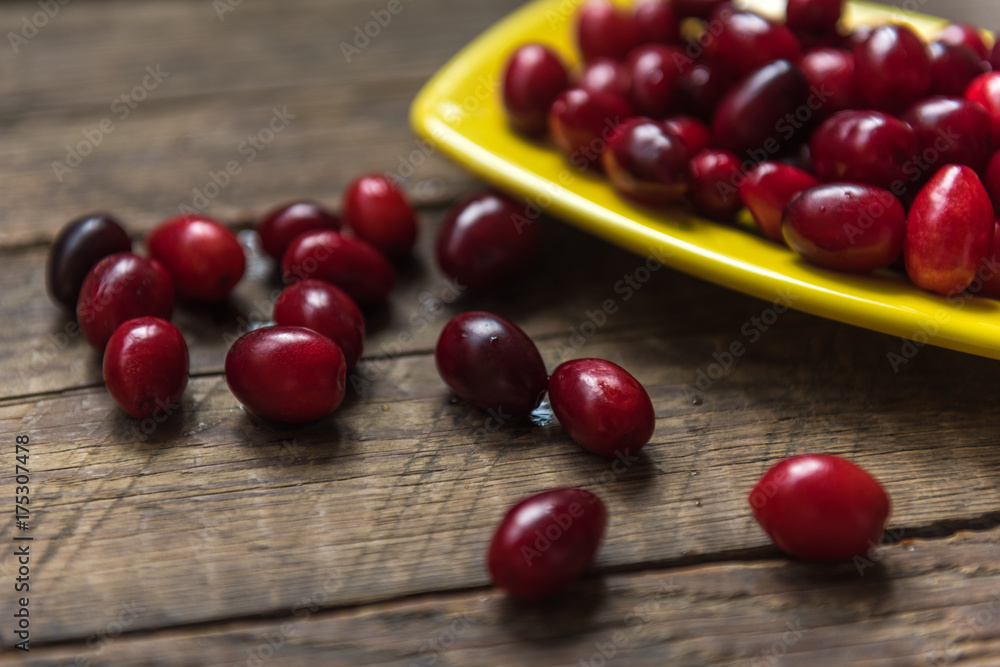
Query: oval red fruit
point(377, 211)
point(347, 262)
point(326, 309)
point(146, 366)
point(202, 256)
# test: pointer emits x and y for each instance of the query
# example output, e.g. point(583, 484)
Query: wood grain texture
point(199, 537)
point(921, 602)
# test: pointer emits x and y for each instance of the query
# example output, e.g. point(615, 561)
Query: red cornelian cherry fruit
point(892, 68)
point(119, 288)
point(280, 226)
point(602, 406)
point(605, 30)
point(821, 507)
point(326, 309)
point(378, 211)
point(146, 366)
point(581, 121)
point(532, 80)
point(201, 255)
point(487, 241)
point(350, 263)
point(713, 184)
point(767, 190)
point(953, 68)
point(490, 363)
point(79, 245)
point(814, 17)
point(744, 41)
point(289, 375)
point(646, 161)
point(604, 75)
point(546, 542)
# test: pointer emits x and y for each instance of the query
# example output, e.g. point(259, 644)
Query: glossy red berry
point(952, 130)
point(487, 241)
point(992, 180)
point(820, 507)
point(490, 363)
point(702, 86)
point(867, 147)
point(546, 542)
point(146, 366)
point(378, 212)
point(744, 41)
point(581, 121)
point(713, 184)
point(533, 78)
point(949, 230)
point(985, 91)
point(963, 34)
point(846, 226)
point(119, 288)
point(326, 309)
point(657, 21)
point(654, 76)
point(892, 68)
point(765, 113)
point(289, 375)
point(767, 190)
point(814, 17)
point(953, 68)
point(201, 255)
point(79, 245)
point(605, 75)
point(280, 226)
point(602, 407)
point(695, 134)
point(830, 73)
point(605, 30)
point(347, 262)
point(646, 161)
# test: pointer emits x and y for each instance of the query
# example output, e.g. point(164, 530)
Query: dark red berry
point(867, 147)
point(378, 212)
point(605, 30)
point(146, 366)
point(985, 91)
point(288, 375)
point(201, 255)
point(487, 241)
point(532, 80)
point(846, 226)
point(490, 363)
point(654, 74)
point(764, 113)
point(602, 407)
point(767, 190)
point(79, 245)
point(820, 507)
point(604, 75)
point(952, 130)
point(581, 121)
point(326, 309)
point(546, 542)
point(693, 132)
point(963, 34)
point(279, 228)
point(831, 80)
point(953, 68)
point(347, 262)
point(646, 161)
point(714, 182)
point(119, 288)
point(744, 41)
point(814, 17)
point(702, 86)
point(701, 9)
point(892, 68)
point(992, 180)
point(657, 21)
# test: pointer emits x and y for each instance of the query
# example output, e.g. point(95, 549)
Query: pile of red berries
point(856, 149)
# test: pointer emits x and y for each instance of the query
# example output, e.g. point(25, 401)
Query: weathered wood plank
point(400, 489)
point(923, 602)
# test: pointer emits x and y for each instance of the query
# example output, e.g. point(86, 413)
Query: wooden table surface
point(214, 539)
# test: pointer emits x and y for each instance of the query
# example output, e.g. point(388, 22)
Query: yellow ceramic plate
point(460, 110)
